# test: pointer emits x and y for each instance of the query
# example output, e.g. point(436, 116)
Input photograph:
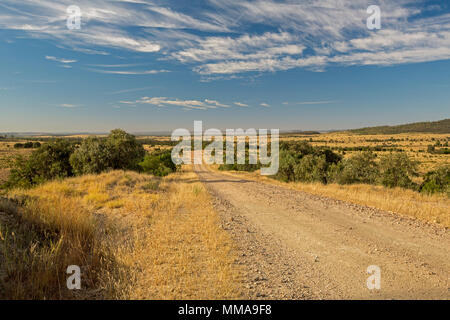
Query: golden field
point(136, 237)
point(414, 144)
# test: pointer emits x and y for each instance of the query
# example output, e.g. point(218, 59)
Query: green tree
point(286, 168)
point(360, 168)
point(92, 156)
point(397, 170)
point(311, 168)
point(48, 162)
point(437, 181)
point(126, 151)
point(119, 151)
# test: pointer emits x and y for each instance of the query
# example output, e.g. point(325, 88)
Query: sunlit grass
point(133, 235)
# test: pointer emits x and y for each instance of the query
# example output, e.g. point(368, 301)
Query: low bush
point(48, 162)
point(158, 163)
point(360, 168)
point(92, 156)
point(397, 170)
point(299, 161)
point(437, 181)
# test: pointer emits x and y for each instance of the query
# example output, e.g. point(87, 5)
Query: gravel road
point(293, 245)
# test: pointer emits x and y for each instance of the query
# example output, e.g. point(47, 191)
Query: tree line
point(302, 162)
point(62, 158)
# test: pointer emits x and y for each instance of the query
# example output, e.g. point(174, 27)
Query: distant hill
point(442, 126)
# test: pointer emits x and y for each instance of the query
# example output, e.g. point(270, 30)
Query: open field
point(414, 144)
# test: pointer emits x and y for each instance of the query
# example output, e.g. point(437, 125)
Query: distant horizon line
point(168, 132)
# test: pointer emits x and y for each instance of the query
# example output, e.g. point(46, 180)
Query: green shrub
point(126, 151)
point(311, 168)
point(437, 181)
point(286, 168)
point(360, 168)
point(119, 150)
point(299, 161)
point(158, 163)
point(92, 156)
point(48, 162)
point(397, 170)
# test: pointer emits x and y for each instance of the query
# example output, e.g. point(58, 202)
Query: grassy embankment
point(134, 237)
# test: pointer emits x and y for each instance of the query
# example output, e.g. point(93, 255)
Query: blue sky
point(159, 65)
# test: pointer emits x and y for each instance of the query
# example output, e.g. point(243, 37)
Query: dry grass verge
point(133, 235)
point(430, 208)
point(187, 255)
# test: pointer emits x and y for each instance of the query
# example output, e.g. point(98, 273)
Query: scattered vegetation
point(49, 162)
point(302, 162)
point(64, 158)
point(27, 145)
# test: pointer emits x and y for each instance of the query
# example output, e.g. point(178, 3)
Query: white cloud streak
point(61, 60)
point(129, 72)
point(185, 104)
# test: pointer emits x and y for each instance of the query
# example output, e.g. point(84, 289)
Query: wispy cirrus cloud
point(186, 104)
point(60, 60)
point(317, 34)
point(129, 90)
point(240, 104)
point(104, 23)
point(128, 72)
point(69, 105)
point(230, 37)
point(309, 102)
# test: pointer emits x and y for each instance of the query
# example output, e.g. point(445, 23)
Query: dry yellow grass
point(430, 208)
point(187, 255)
point(133, 235)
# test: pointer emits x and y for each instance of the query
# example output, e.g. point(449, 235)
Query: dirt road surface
point(294, 245)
